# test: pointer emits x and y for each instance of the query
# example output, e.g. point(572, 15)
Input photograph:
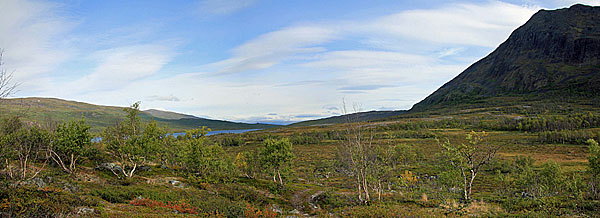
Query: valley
point(514, 135)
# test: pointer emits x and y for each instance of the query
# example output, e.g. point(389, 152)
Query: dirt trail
point(304, 202)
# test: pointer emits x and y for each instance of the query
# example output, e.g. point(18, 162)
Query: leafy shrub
point(330, 200)
point(208, 162)
point(251, 212)
point(231, 140)
point(179, 207)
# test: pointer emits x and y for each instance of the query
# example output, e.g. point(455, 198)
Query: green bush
point(231, 140)
point(330, 200)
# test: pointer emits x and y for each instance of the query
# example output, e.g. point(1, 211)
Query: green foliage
point(469, 158)
point(71, 142)
point(594, 157)
point(131, 146)
point(206, 161)
point(22, 146)
point(232, 140)
point(594, 167)
point(568, 136)
point(276, 154)
point(540, 123)
point(331, 200)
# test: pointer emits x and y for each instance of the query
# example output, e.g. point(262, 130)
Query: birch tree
point(7, 87)
point(70, 143)
point(126, 142)
point(469, 158)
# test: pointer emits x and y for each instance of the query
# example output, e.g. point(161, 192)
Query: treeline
point(568, 136)
point(553, 123)
point(530, 124)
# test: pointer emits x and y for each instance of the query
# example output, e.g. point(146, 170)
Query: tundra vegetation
point(464, 164)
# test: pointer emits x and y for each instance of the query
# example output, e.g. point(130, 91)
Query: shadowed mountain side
point(555, 54)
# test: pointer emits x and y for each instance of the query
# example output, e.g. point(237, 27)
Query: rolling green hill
point(552, 57)
point(50, 110)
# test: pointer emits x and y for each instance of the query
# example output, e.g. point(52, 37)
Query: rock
point(276, 209)
point(294, 211)
point(85, 210)
point(145, 168)
point(70, 188)
point(176, 183)
point(109, 167)
point(526, 195)
point(35, 181)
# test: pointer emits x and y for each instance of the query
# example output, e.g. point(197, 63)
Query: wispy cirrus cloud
point(363, 87)
point(31, 36)
point(224, 7)
point(272, 48)
point(484, 24)
point(119, 66)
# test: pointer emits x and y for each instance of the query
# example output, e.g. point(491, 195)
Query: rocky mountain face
point(556, 53)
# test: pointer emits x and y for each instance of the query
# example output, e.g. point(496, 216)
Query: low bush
point(36, 202)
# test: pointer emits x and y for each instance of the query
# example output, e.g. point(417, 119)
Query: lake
point(235, 131)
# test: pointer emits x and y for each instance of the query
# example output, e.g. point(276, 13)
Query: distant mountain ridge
point(354, 117)
point(168, 115)
point(555, 53)
point(48, 110)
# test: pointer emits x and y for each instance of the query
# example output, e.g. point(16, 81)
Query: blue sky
point(251, 60)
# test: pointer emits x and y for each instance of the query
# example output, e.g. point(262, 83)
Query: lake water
point(234, 131)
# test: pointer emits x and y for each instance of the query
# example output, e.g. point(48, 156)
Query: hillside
point(168, 115)
point(355, 117)
point(556, 54)
point(49, 110)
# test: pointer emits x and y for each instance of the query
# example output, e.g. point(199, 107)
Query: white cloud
point(450, 52)
point(224, 7)
point(349, 59)
point(120, 66)
point(459, 24)
point(31, 36)
point(272, 48)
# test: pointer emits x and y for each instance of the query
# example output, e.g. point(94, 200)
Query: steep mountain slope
point(50, 110)
point(556, 53)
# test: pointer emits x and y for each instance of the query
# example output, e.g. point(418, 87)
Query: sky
point(268, 61)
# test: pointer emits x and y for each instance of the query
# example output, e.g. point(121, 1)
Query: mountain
point(51, 110)
point(355, 117)
point(168, 115)
point(556, 54)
